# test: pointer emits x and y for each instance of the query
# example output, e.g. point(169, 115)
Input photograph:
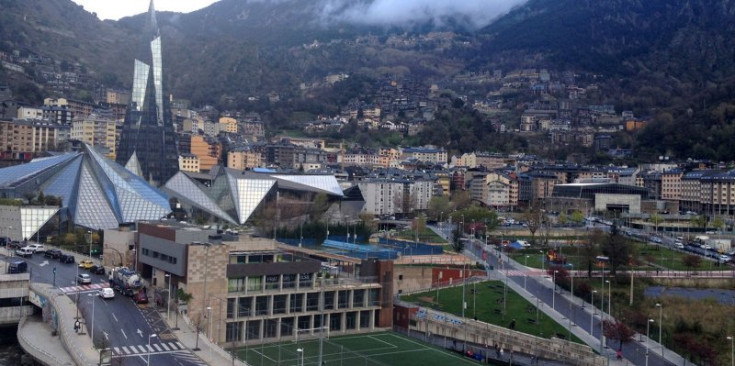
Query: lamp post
point(592, 313)
point(90, 243)
point(660, 316)
point(92, 331)
point(732, 349)
point(301, 355)
point(648, 328)
point(168, 303)
point(525, 278)
point(609, 298)
point(149, 348)
point(542, 260)
point(553, 291)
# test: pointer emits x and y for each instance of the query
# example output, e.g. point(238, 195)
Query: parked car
point(84, 279)
point(4, 240)
point(66, 258)
point(15, 244)
point(106, 293)
point(52, 253)
point(140, 297)
point(100, 270)
point(37, 248)
point(17, 266)
point(86, 264)
point(24, 252)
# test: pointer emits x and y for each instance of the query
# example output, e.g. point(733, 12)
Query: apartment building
point(97, 132)
point(31, 136)
point(189, 163)
point(243, 158)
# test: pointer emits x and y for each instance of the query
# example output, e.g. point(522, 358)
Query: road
point(118, 323)
point(540, 286)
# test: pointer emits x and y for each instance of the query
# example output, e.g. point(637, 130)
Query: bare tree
point(533, 218)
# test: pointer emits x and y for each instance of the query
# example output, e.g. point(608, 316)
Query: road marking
point(116, 350)
point(165, 346)
point(178, 344)
point(156, 347)
point(124, 335)
point(113, 315)
point(140, 332)
point(125, 349)
point(44, 263)
point(107, 336)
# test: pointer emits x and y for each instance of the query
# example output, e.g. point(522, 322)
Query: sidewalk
point(585, 336)
point(208, 352)
point(652, 346)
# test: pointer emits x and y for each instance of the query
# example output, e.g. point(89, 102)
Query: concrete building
point(31, 136)
point(97, 132)
point(247, 290)
point(243, 158)
point(228, 124)
point(189, 163)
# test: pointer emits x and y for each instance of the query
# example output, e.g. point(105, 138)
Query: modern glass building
point(148, 143)
point(233, 195)
point(96, 192)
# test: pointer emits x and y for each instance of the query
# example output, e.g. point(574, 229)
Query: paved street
point(133, 332)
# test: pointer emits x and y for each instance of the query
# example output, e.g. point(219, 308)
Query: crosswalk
point(83, 288)
point(144, 349)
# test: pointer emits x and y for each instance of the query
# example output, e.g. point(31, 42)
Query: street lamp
point(525, 278)
point(609, 298)
point(168, 303)
point(90, 243)
point(648, 329)
point(301, 355)
point(592, 313)
point(732, 349)
point(149, 348)
point(542, 259)
point(553, 292)
point(92, 331)
point(660, 315)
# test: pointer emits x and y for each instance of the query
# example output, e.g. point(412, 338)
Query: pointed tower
point(148, 135)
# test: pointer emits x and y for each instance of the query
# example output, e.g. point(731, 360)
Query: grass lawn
point(428, 236)
point(488, 299)
point(645, 253)
point(376, 349)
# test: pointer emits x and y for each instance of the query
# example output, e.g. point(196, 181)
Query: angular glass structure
point(96, 193)
point(235, 195)
point(148, 141)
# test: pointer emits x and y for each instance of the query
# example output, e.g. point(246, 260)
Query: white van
point(24, 252)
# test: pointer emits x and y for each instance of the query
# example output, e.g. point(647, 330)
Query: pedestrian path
point(83, 288)
point(144, 349)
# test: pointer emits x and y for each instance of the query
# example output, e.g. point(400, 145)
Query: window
point(231, 303)
point(296, 303)
point(255, 283)
point(244, 306)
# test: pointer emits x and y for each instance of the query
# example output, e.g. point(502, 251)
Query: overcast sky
point(116, 9)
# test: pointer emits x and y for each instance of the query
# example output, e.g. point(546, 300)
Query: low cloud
point(474, 13)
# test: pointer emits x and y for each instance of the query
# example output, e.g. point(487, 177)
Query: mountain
point(687, 39)
point(671, 62)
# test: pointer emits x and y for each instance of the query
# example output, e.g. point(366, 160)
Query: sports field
point(376, 349)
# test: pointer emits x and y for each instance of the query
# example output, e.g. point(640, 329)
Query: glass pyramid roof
point(96, 192)
point(326, 183)
point(190, 192)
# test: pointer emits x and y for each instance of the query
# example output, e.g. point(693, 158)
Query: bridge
point(13, 294)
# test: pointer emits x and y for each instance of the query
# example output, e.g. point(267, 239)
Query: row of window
point(160, 256)
point(270, 282)
point(291, 326)
point(299, 303)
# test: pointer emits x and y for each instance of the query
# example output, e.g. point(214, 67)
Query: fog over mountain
point(472, 13)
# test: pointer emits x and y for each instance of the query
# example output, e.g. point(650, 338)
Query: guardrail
point(38, 353)
point(68, 338)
